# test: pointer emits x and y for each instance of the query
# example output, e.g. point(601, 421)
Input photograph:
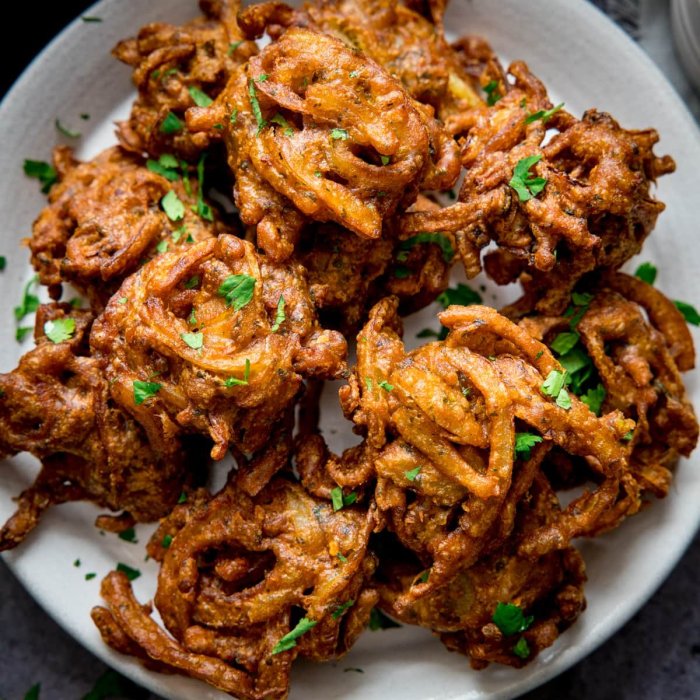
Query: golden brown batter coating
point(173, 65)
point(199, 327)
point(237, 576)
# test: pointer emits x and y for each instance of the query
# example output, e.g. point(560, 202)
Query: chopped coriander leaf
point(430, 333)
point(379, 621)
point(522, 649)
point(76, 563)
point(543, 114)
point(524, 442)
point(354, 73)
point(564, 342)
point(193, 340)
point(257, 112)
point(76, 303)
point(594, 398)
point(289, 640)
point(172, 206)
point(42, 171)
point(342, 558)
point(166, 541)
point(509, 619)
point(425, 575)
point(385, 385)
point(342, 609)
point(689, 312)
point(234, 116)
point(144, 391)
point(66, 131)
point(581, 298)
point(492, 93)
point(233, 46)
point(339, 500)
point(162, 246)
point(523, 182)
point(368, 382)
point(128, 535)
point(539, 354)
point(60, 329)
point(88, 19)
point(192, 282)
point(553, 384)
point(237, 290)
point(90, 575)
point(575, 360)
point(192, 319)
point(628, 436)
point(356, 670)
point(279, 119)
point(122, 300)
point(401, 272)
point(262, 78)
point(131, 574)
point(85, 116)
point(203, 209)
point(111, 685)
point(200, 98)
point(232, 381)
point(385, 160)
point(339, 134)
point(438, 239)
point(22, 332)
point(564, 400)
point(280, 316)
point(33, 692)
point(646, 272)
point(166, 166)
point(171, 124)
point(461, 295)
point(3, 262)
point(29, 303)
point(182, 498)
point(412, 474)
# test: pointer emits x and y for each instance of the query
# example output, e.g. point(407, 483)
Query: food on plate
point(270, 214)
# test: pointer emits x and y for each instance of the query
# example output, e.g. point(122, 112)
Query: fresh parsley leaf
point(22, 332)
point(112, 685)
point(76, 563)
point(543, 114)
point(33, 692)
point(368, 382)
point(564, 342)
point(492, 93)
point(689, 312)
point(200, 98)
point(280, 316)
point(646, 272)
point(339, 134)
point(162, 246)
point(128, 535)
point(172, 206)
point(90, 575)
point(342, 609)
point(203, 209)
point(122, 300)
point(234, 116)
point(166, 541)
point(166, 166)
point(461, 295)
point(510, 620)
point(193, 340)
point(412, 474)
point(42, 171)
point(289, 640)
point(582, 298)
point(144, 391)
point(60, 329)
point(29, 303)
point(425, 575)
point(379, 621)
point(523, 182)
point(594, 398)
point(232, 381)
point(66, 131)
point(574, 361)
point(563, 400)
point(430, 333)
point(385, 160)
point(522, 649)
point(3, 262)
point(401, 272)
point(553, 384)
point(438, 239)
point(354, 73)
point(524, 442)
point(233, 46)
point(339, 500)
point(627, 437)
point(131, 574)
point(255, 104)
point(385, 385)
point(172, 124)
point(182, 498)
point(237, 290)
point(192, 282)
point(279, 119)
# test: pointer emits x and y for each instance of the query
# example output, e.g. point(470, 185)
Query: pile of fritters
point(265, 209)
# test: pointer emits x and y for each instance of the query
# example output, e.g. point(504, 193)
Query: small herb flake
point(193, 340)
point(385, 385)
point(182, 498)
point(257, 112)
point(166, 541)
point(492, 93)
point(70, 133)
point(280, 316)
point(339, 500)
point(289, 640)
point(42, 171)
point(128, 535)
point(543, 114)
point(461, 295)
point(510, 620)
point(563, 400)
point(522, 649)
point(553, 384)
point(89, 576)
point(200, 98)
point(131, 574)
point(22, 332)
point(646, 272)
point(233, 381)
point(144, 391)
point(412, 474)
point(192, 282)
point(233, 46)
point(524, 442)
point(166, 166)
point(385, 160)
point(438, 239)
point(172, 124)
point(172, 206)
point(88, 19)
point(33, 692)
point(689, 312)
point(523, 182)
point(162, 246)
point(342, 609)
point(564, 342)
point(60, 329)
point(237, 290)
point(379, 621)
point(29, 303)
point(339, 134)
point(594, 398)
point(281, 121)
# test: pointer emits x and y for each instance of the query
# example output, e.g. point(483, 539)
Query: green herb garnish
point(193, 340)
point(379, 621)
point(339, 500)
point(172, 206)
point(689, 312)
point(522, 648)
point(438, 239)
point(289, 640)
point(342, 609)
point(232, 381)
point(646, 272)
point(339, 134)
point(171, 124)
point(144, 391)
point(461, 295)
point(70, 133)
point(60, 329)
point(543, 114)
point(42, 171)
point(165, 166)
point(237, 290)
point(128, 535)
point(131, 574)
point(201, 99)
point(412, 474)
point(524, 442)
point(255, 104)
point(492, 93)
point(280, 316)
point(510, 620)
point(523, 182)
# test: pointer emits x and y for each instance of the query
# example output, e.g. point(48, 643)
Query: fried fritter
point(237, 576)
point(105, 218)
point(218, 338)
point(176, 67)
point(56, 405)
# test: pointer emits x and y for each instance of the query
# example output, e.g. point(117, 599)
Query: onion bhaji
point(214, 323)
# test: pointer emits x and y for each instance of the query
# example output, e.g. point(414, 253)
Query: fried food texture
point(556, 209)
point(316, 131)
point(197, 327)
point(174, 68)
point(105, 217)
point(56, 406)
point(238, 575)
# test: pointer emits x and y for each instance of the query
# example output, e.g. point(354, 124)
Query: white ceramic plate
point(586, 61)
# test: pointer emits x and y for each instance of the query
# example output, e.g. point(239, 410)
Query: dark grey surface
point(654, 657)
